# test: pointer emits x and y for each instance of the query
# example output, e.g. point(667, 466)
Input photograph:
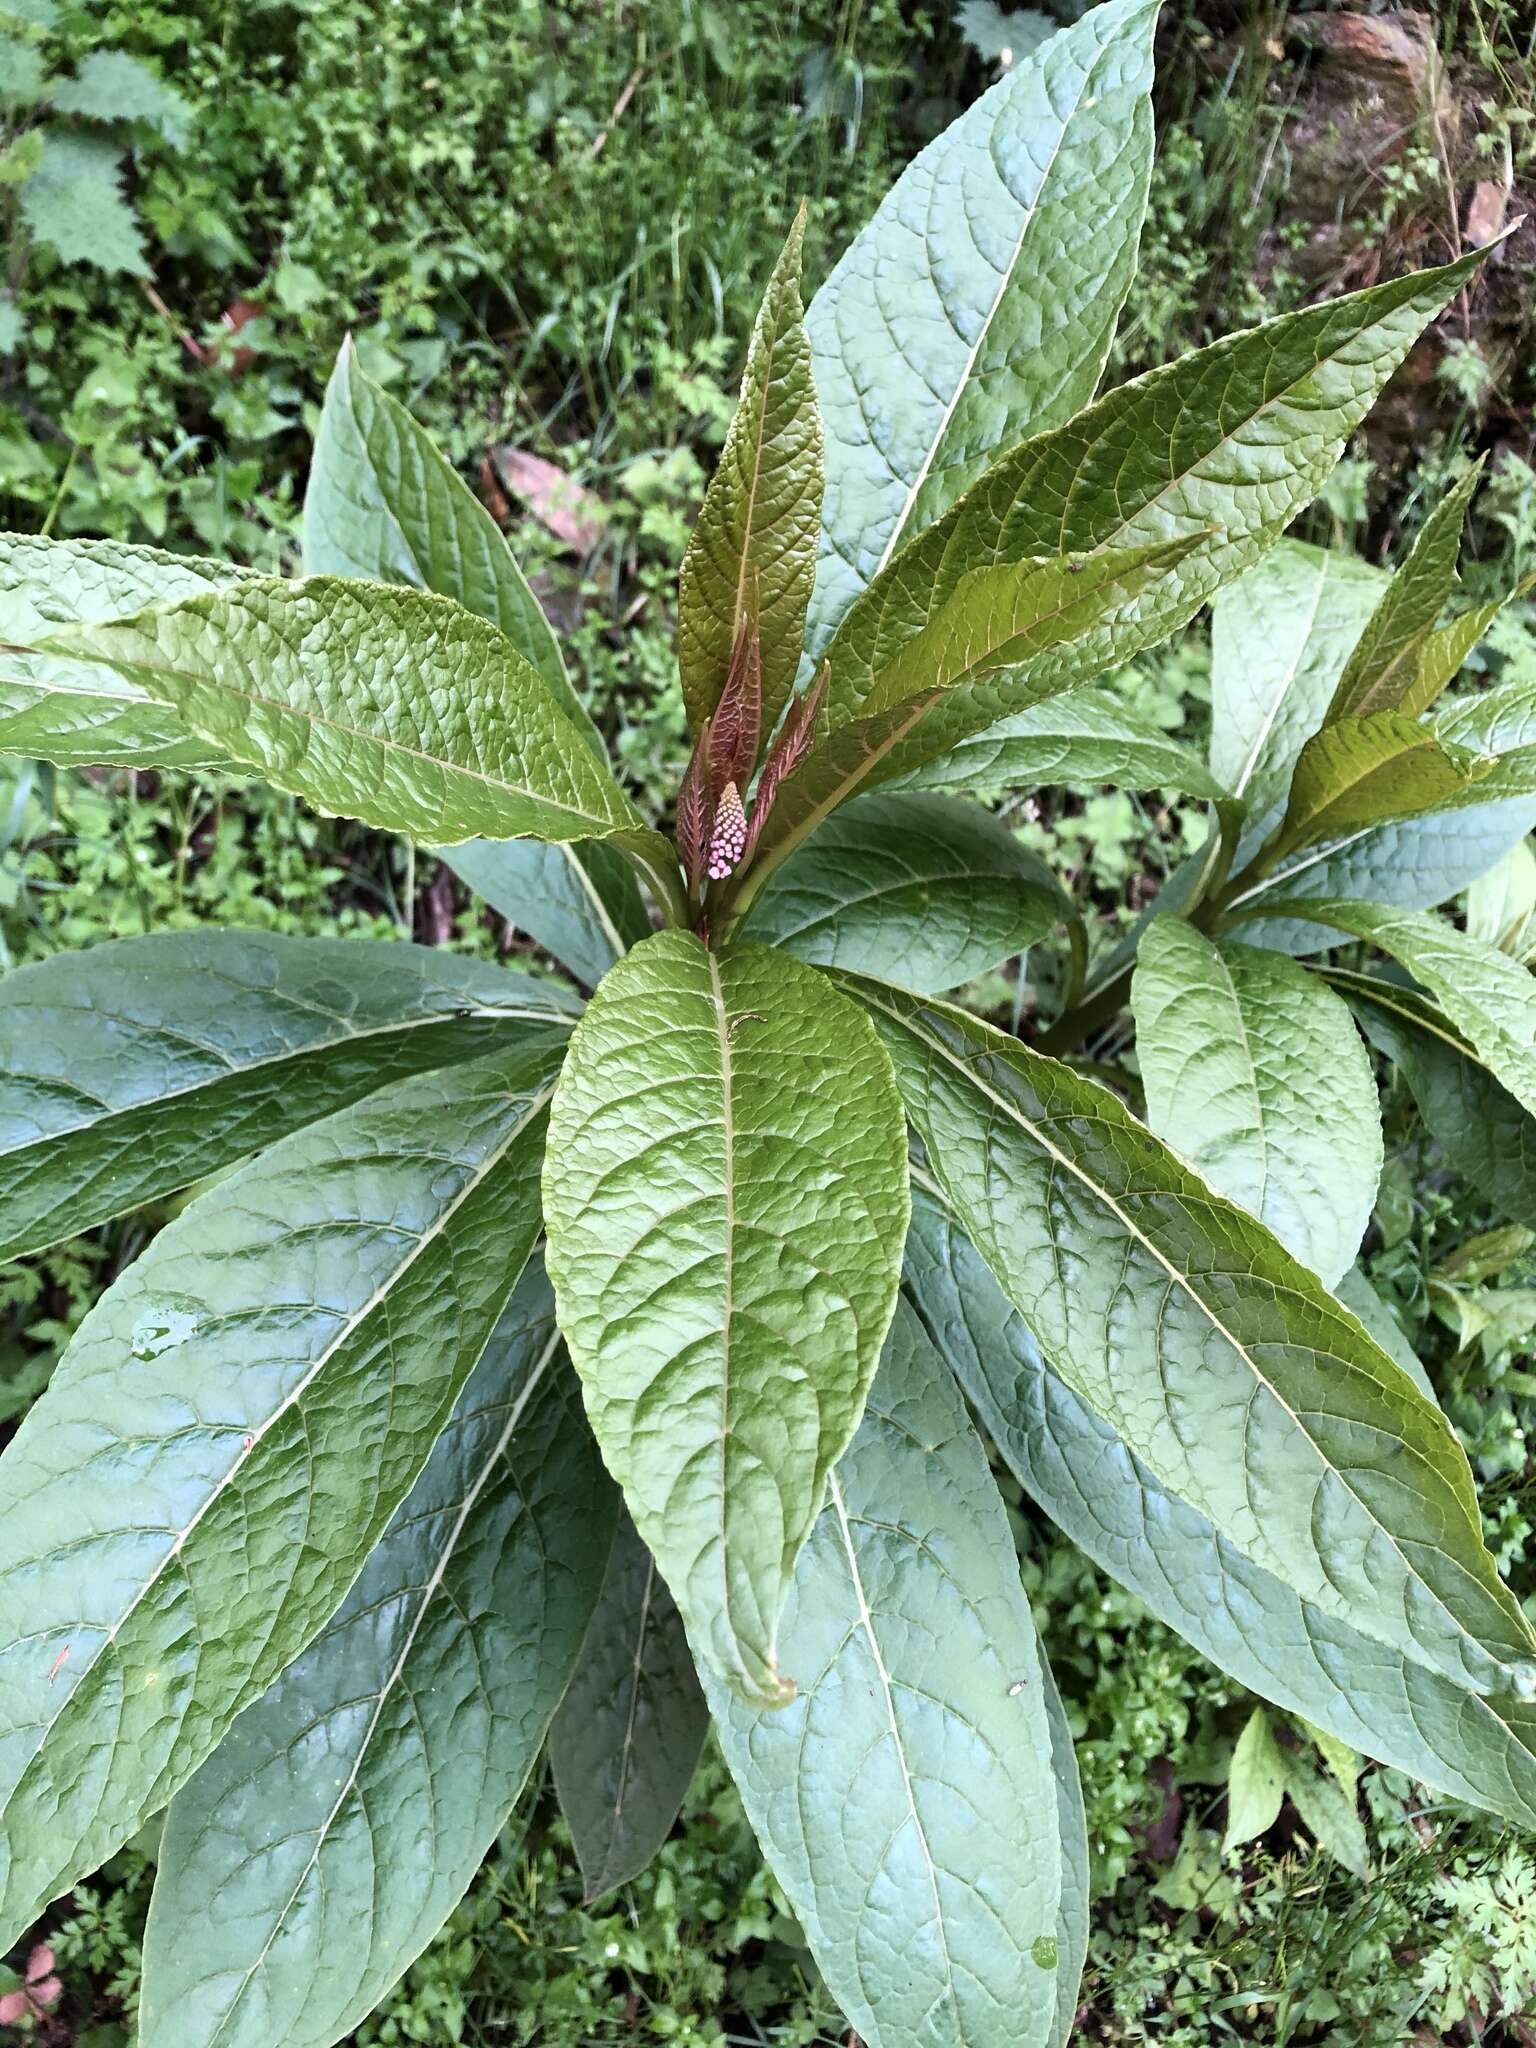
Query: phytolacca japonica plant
point(311, 1543)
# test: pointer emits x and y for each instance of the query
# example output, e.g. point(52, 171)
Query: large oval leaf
point(227, 1435)
point(1243, 1618)
point(1231, 1371)
point(381, 503)
point(907, 1801)
point(1255, 1074)
point(630, 1729)
point(977, 306)
point(580, 902)
point(726, 1196)
point(393, 706)
point(362, 1791)
point(1221, 448)
point(75, 711)
point(134, 1068)
point(921, 890)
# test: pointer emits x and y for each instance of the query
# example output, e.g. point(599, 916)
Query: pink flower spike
point(728, 837)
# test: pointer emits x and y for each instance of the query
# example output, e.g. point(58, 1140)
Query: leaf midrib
point(1010, 1110)
point(428, 1592)
point(533, 1108)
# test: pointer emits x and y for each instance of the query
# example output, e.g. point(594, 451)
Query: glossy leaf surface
point(1246, 1620)
point(227, 1436)
point(393, 706)
point(1359, 772)
point(339, 1822)
point(922, 890)
point(1255, 1074)
point(907, 1801)
point(632, 1724)
point(1235, 1375)
point(977, 306)
point(134, 1068)
point(726, 1198)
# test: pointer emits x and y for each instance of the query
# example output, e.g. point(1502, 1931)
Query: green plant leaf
point(397, 707)
point(1489, 998)
point(751, 561)
point(1255, 1073)
point(579, 901)
point(1256, 1784)
point(1488, 1137)
point(1244, 1619)
point(726, 1199)
point(80, 713)
point(1328, 1812)
point(947, 704)
point(1501, 905)
point(1083, 736)
point(1076, 1888)
point(1234, 1374)
point(1281, 636)
point(1220, 449)
point(1501, 722)
point(1413, 865)
point(136, 1067)
point(1383, 672)
point(73, 203)
point(630, 1729)
point(907, 1800)
point(382, 503)
point(1359, 772)
point(1442, 652)
point(1361, 1299)
point(109, 85)
point(977, 306)
point(922, 890)
point(243, 1411)
point(363, 1790)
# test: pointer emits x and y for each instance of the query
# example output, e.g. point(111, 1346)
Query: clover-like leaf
point(726, 1199)
point(1231, 1371)
point(135, 1068)
point(907, 1801)
point(227, 1435)
point(364, 1788)
point(1256, 1075)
